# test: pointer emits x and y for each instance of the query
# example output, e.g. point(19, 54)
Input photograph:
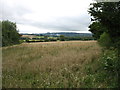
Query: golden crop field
point(48, 64)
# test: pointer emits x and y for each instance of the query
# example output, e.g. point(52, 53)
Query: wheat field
point(48, 64)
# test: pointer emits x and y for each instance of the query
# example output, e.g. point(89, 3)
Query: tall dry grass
point(48, 64)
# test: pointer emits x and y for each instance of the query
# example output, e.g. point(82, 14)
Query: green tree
point(97, 29)
point(108, 15)
point(46, 38)
point(62, 38)
point(10, 34)
point(105, 40)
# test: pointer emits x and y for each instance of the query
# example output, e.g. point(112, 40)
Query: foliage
point(109, 65)
point(105, 40)
point(48, 39)
point(103, 72)
point(10, 34)
point(62, 38)
point(110, 61)
point(97, 29)
point(108, 15)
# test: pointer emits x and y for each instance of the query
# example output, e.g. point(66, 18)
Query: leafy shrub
point(106, 70)
point(110, 61)
point(105, 40)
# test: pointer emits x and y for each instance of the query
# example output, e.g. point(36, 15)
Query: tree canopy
point(106, 18)
point(10, 34)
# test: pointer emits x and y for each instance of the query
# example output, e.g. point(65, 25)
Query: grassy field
point(49, 64)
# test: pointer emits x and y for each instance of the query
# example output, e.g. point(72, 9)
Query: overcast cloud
point(39, 16)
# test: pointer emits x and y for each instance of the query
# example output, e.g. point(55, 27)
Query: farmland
point(59, 64)
point(48, 37)
point(53, 51)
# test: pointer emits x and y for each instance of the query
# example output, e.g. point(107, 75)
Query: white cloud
point(47, 15)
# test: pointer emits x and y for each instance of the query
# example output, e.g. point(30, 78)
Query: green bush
point(105, 40)
point(10, 34)
point(110, 65)
point(110, 61)
point(106, 72)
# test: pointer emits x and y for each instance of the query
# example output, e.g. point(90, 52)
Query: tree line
point(57, 38)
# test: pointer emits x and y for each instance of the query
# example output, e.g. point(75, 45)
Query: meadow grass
point(62, 64)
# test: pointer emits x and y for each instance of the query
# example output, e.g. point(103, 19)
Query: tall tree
point(10, 34)
point(108, 15)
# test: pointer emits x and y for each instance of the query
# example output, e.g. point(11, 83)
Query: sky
point(41, 16)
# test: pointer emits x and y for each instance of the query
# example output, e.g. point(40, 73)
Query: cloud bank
point(37, 16)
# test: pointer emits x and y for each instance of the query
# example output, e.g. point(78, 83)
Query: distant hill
point(67, 34)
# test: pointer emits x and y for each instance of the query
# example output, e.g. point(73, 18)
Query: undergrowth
point(105, 75)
